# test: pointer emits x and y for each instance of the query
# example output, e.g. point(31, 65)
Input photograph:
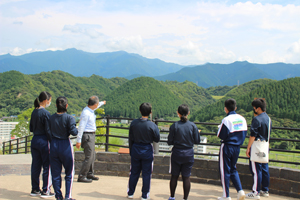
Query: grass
point(217, 97)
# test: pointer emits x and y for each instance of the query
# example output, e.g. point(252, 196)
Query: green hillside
point(247, 87)
point(126, 99)
point(219, 90)
point(18, 91)
point(281, 96)
point(189, 93)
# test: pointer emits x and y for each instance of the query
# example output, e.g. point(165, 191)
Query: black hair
point(145, 109)
point(183, 110)
point(49, 95)
point(61, 104)
point(230, 104)
point(93, 100)
point(259, 103)
point(42, 97)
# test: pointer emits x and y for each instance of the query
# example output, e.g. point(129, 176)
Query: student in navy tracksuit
point(232, 133)
point(62, 126)
point(142, 133)
point(260, 127)
point(40, 146)
point(183, 135)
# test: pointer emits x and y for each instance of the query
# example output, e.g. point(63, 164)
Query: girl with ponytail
point(183, 135)
point(62, 125)
point(40, 146)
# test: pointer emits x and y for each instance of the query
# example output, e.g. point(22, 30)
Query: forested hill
point(189, 93)
point(126, 99)
point(18, 91)
point(282, 99)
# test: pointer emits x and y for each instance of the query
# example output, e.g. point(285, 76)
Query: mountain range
point(130, 66)
point(80, 63)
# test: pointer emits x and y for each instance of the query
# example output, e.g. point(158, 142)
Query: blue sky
point(180, 31)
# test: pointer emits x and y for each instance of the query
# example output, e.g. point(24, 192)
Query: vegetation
point(281, 96)
point(189, 93)
point(125, 100)
point(18, 91)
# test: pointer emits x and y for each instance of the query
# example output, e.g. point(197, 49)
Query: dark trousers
point(40, 150)
point(261, 176)
point(61, 154)
point(141, 160)
point(88, 143)
point(227, 162)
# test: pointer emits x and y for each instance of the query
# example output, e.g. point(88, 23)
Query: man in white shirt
point(86, 139)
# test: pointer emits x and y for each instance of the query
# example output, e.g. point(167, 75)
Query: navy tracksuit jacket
point(142, 133)
point(232, 133)
point(61, 152)
point(260, 171)
point(40, 149)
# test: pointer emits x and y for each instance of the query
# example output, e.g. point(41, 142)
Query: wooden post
point(26, 144)
point(4, 148)
point(17, 145)
point(155, 144)
point(9, 149)
point(107, 134)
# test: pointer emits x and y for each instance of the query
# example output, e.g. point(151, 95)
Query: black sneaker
point(45, 195)
point(35, 193)
point(69, 199)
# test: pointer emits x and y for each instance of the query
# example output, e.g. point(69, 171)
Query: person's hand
point(78, 145)
point(199, 130)
point(104, 102)
point(248, 152)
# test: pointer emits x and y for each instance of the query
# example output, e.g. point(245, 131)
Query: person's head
point(183, 111)
point(43, 99)
point(230, 105)
point(145, 109)
point(61, 104)
point(93, 102)
point(259, 106)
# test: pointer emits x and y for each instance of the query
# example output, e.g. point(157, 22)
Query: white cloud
point(17, 22)
point(295, 47)
point(185, 33)
point(90, 30)
point(131, 44)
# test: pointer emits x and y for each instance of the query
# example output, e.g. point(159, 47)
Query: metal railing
point(22, 145)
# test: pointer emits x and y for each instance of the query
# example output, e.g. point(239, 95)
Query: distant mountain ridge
point(80, 63)
point(232, 74)
point(130, 66)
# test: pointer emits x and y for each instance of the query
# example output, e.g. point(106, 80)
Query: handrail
point(22, 145)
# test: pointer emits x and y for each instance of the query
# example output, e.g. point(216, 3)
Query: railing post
point(155, 144)
point(26, 144)
point(17, 145)
point(107, 133)
point(9, 149)
point(3, 148)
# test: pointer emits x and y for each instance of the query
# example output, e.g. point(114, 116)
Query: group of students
point(183, 134)
point(51, 146)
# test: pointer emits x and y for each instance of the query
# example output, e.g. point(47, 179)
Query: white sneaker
point(252, 195)
point(130, 196)
point(264, 193)
point(144, 198)
point(241, 195)
point(224, 198)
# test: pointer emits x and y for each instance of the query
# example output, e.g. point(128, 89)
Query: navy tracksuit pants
point(61, 154)
point(40, 150)
point(261, 176)
point(141, 160)
point(227, 162)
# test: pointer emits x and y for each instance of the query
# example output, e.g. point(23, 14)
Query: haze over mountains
point(123, 64)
